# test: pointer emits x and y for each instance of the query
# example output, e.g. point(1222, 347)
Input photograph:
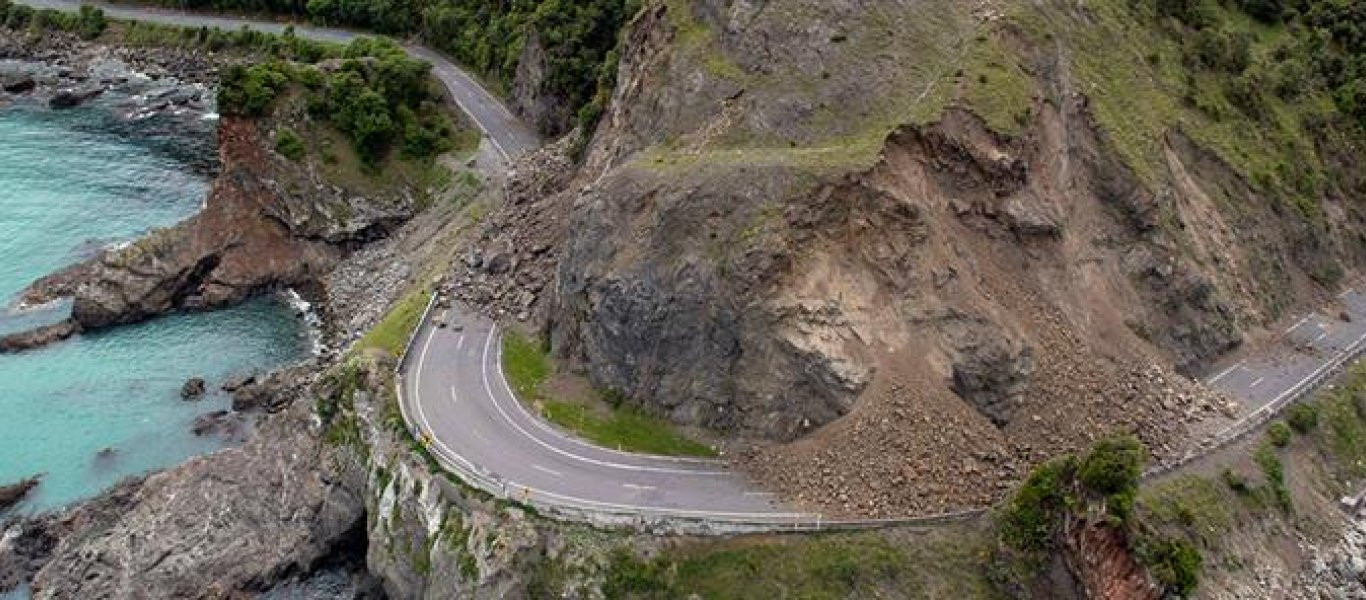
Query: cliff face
point(267, 223)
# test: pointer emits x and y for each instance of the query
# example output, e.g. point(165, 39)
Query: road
point(508, 134)
point(1277, 373)
point(455, 391)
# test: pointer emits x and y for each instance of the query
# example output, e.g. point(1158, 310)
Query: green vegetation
point(88, 22)
point(1303, 417)
point(861, 565)
point(378, 96)
point(1274, 471)
point(289, 144)
point(527, 367)
point(1175, 563)
point(392, 332)
point(336, 407)
point(579, 38)
point(1278, 434)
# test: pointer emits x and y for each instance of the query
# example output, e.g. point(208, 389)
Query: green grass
point(527, 367)
point(861, 565)
point(391, 333)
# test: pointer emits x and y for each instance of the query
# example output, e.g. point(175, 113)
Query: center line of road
point(1297, 324)
point(638, 487)
point(545, 470)
point(1321, 336)
point(1257, 382)
point(1225, 372)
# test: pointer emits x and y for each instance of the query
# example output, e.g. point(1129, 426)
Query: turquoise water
point(72, 182)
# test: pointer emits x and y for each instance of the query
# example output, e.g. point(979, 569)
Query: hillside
point(931, 244)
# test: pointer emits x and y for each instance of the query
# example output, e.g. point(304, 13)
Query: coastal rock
point(193, 388)
point(13, 493)
point(219, 422)
point(41, 336)
point(222, 525)
point(73, 97)
point(17, 83)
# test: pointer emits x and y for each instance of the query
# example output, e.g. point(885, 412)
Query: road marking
point(1257, 382)
point(455, 398)
point(545, 470)
point(1225, 372)
point(1296, 325)
point(488, 389)
point(638, 487)
point(460, 343)
point(1321, 336)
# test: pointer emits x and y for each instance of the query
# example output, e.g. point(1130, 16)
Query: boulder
point(218, 422)
point(13, 493)
point(193, 388)
point(73, 97)
point(17, 83)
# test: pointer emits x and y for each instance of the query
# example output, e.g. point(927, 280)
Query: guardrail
point(1261, 416)
point(711, 523)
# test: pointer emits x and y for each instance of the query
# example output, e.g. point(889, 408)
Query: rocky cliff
point(916, 240)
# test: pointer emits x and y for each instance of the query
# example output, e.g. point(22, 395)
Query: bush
point(1303, 418)
point(1175, 563)
point(1036, 510)
point(289, 144)
point(1278, 434)
point(250, 90)
point(1112, 469)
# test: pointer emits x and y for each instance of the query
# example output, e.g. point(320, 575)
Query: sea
point(90, 411)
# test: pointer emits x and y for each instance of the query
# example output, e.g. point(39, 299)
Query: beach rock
point(73, 97)
point(42, 336)
point(236, 383)
point(17, 83)
point(218, 422)
point(13, 493)
point(193, 388)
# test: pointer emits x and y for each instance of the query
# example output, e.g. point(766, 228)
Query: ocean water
point(71, 183)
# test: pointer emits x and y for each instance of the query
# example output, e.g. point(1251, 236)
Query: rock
point(17, 83)
point(39, 337)
point(73, 97)
point(193, 388)
point(236, 383)
point(13, 493)
point(218, 422)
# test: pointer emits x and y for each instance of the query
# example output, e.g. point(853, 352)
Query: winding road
point(508, 134)
point(455, 398)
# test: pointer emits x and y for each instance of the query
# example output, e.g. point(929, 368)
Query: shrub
point(1036, 510)
point(250, 90)
point(1235, 481)
point(1175, 563)
point(289, 144)
point(1303, 418)
point(1112, 469)
point(1279, 434)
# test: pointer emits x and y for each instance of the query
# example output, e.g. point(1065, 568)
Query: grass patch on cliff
point(392, 332)
point(944, 563)
point(528, 368)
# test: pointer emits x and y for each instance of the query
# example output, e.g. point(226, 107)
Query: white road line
point(545, 470)
point(638, 487)
point(1296, 325)
point(455, 397)
point(1321, 336)
point(1225, 372)
point(488, 388)
point(1257, 382)
point(460, 343)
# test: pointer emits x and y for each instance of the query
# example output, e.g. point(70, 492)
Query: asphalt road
point(454, 390)
point(1274, 373)
point(508, 134)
